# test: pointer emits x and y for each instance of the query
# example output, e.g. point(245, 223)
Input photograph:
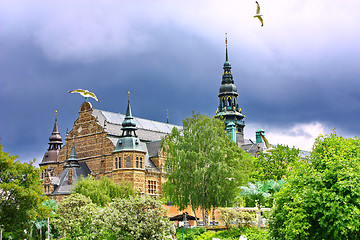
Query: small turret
point(55, 144)
point(258, 134)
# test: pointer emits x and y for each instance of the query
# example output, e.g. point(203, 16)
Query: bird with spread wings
point(258, 15)
point(85, 93)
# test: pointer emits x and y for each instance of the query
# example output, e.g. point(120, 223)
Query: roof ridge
point(138, 118)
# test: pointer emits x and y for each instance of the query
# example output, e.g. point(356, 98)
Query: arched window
point(229, 101)
point(128, 162)
point(223, 103)
point(116, 163)
point(137, 162)
point(141, 163)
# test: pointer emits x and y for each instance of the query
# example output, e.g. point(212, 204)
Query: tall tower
point(228, 108)
point(129, 155)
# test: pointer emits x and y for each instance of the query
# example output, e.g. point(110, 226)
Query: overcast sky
point(297, 77)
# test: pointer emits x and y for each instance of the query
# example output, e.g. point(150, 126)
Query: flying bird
point(85, 93)
point(258, 15)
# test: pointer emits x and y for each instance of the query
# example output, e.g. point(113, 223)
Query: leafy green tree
point(103, 190)
point(21, 195)
point(321, 199)
point(40, 225)
point(276, 164)
point(259, 193)
point(204, 165)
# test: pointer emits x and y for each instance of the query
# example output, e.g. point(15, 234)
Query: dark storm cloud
point(288, 73)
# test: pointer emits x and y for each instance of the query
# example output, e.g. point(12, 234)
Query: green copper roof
point(72, 160)
point(128, 125)
point(128, 140)
point(129, 144)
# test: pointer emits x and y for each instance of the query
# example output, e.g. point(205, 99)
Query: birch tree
point(204, 166)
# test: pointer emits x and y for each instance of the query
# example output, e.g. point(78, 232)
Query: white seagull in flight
point(85, 93)
point(258, 15)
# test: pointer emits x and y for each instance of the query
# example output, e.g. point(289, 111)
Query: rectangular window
point(128, 162)
point(151, 187)
point(140, 162)
point(119, 162)
point(137, 162)
point(116, 163)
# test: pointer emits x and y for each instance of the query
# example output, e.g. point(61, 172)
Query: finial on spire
point(227, 59)
point(129, 95)
point(167, 115)
point(56, 113)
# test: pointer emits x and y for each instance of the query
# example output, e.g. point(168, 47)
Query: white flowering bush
point(134, 218)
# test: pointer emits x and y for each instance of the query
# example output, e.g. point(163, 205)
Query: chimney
point(70, 176)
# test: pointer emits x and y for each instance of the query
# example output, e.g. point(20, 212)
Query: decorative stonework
point(95, 148)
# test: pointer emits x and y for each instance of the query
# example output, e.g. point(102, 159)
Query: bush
point(321, 199)
point(189, 234)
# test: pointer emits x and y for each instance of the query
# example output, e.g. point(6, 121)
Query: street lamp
point(1, 228)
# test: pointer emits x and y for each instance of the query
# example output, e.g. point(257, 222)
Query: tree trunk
point(205, 217)
point(196, 220)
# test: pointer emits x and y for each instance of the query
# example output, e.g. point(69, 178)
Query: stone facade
point(95, 147)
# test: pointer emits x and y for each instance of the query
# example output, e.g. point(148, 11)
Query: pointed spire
point(128, 109)
point(72, 160)
point(227, 77)
point(129, 125)
point(55, 138)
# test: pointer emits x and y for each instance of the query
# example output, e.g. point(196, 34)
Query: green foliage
point(261, 193)
point(21, 195)
point(132, 218)
point(104, 190)
point(252, 233)
point(40, 225)
point(204, 165)
point(75, 215)
point(233, 234)
point(321, 199)
point(190, 233)
point(275, 165)
point(232, 218)
point(140, 217)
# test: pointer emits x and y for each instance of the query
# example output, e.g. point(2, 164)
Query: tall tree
point(321, 199)
point(204, 165)
point(21, 195)
point(276, 164)
point(103, 190)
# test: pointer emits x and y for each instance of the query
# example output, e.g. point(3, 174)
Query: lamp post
point(1, 228)
point(48, 222)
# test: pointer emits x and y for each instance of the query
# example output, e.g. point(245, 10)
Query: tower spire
point(73, 159)
point(55, 138)
point(128, 125)
point(55, 144)
point(228, 107)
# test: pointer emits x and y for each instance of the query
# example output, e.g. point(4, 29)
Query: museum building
point(127, 148)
